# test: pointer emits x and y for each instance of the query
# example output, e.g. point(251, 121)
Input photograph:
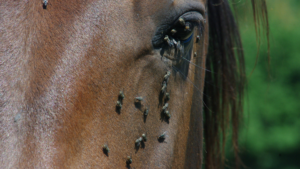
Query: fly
point(165, 107)
point(129, 160)
point(162, 137)
point(121, 95)
point(146, 112)
point(139, 99)
point(105, 149)
point(144, 137)
point(138, 142)
point(119, 104)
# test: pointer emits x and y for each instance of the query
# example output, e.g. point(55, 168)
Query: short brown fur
point(62, 68)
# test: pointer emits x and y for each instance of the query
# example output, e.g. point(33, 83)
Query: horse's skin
point(61, 71)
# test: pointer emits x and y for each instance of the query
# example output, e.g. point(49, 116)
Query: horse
point(119, 84)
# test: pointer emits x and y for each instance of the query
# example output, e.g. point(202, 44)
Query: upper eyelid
point(192, 16)
point(190, 7)
point(175, 13)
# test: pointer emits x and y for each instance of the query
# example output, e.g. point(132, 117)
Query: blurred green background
point(270, 132)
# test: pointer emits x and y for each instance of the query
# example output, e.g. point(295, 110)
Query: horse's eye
point(183, 30)
point(176, 41)
point(179, 30)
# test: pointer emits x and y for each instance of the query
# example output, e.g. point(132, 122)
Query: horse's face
point(89, 52)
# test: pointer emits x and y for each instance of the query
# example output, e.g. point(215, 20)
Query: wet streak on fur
point(224, 98)
point(194, 157)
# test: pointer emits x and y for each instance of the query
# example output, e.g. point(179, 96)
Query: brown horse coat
point(63, 64)
point(61, 72)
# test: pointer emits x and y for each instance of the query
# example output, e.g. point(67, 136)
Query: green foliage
point(269, 136)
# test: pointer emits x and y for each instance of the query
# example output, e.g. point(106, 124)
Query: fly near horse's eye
point(187, 27)
point(173, 31)
point(168, 40)
point(181, 21)
point(178, 29)
point(175, 42)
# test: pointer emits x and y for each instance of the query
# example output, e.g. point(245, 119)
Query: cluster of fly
point(172, 44)
point(165, 82)
point(120, 101)
point(166, 114)
point(165, 111)
point(173, 49)
point(140, 141)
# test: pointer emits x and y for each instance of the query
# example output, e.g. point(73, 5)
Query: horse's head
point(87, 84)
